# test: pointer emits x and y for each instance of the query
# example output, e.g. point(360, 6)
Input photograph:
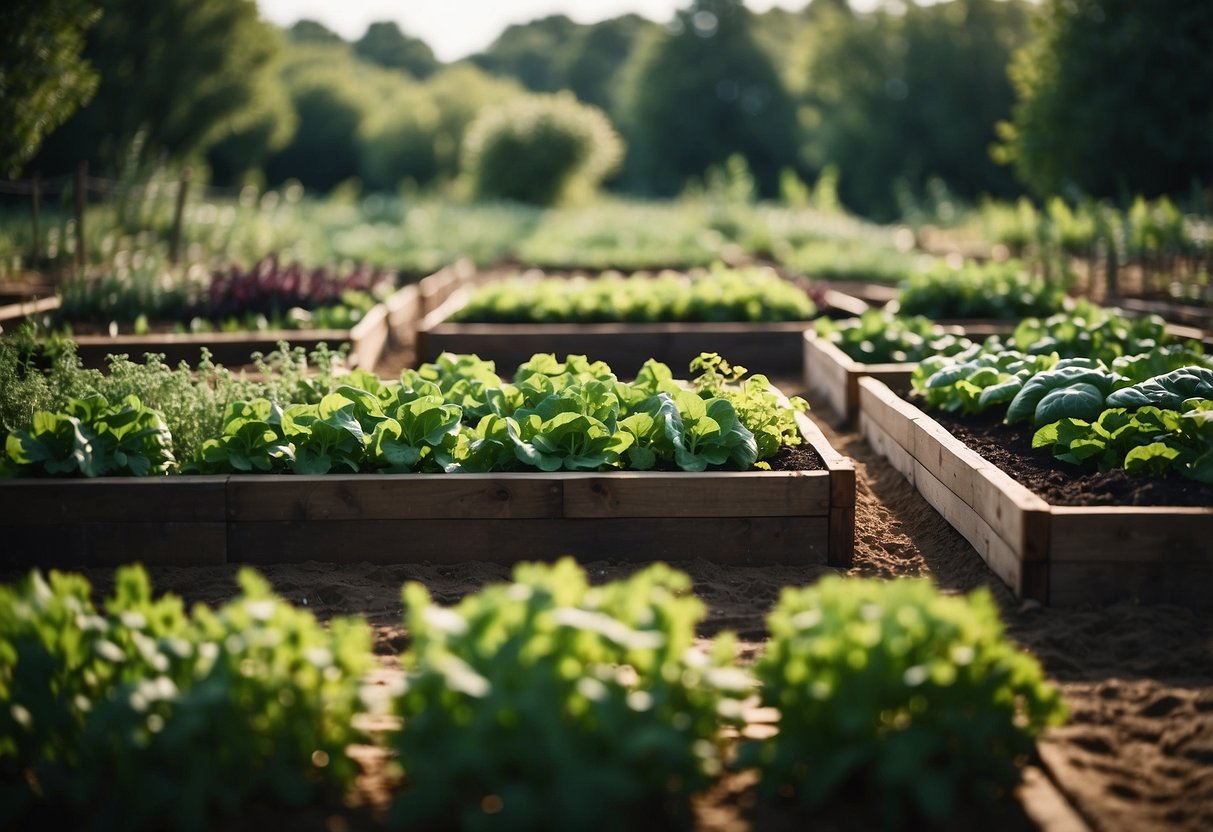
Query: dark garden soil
point(1010, 448)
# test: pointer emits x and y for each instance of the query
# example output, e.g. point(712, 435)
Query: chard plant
point(897, 694)
point(142, 716)
point(535, 704)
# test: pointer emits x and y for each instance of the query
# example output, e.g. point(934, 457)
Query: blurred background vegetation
point(997, 98)
point(1059, 128)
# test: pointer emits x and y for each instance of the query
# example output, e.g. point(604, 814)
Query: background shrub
point(540, 149)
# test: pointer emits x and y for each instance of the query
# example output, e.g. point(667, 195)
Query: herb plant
point(144, 717)
point(913, 699)
point(536, 704)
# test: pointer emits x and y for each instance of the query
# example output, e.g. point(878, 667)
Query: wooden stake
point(36, 192)
point(174, 243)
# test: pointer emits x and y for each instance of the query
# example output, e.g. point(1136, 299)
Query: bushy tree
point(530, 52)
point(1114, 96)
point(701, 91)
point(384, 44)
point(43, 76)
point(417, 132)
point(540, 149)
point(176, 76)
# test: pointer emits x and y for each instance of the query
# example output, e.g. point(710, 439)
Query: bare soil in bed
point(1010, 448)
point(1137, 753)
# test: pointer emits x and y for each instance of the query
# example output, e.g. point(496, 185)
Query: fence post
point(36, 193)
point(79, 193)
point(174, 242)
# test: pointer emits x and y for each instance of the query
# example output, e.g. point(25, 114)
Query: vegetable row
point(721, 294)
point(529, 705)
point(454, 415)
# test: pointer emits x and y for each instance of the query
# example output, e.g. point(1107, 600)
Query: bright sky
point(457, 28)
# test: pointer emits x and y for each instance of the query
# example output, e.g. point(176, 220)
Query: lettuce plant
point(144, 717)
point(896, 693)
point(878, 337)
point(536, 704)
point(93, 438)
point(1005, 291)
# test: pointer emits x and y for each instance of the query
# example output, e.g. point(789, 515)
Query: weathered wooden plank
point(369, 338)
point(1105, 582)
point(683, 494)
point(886, 446)
point(841, 545)
point(836, 375)
point(414, 497)
point(1002, 559)
point(742, 541)
point(113, 544)
point(1130, 534)
point(888, 411)
point(51, 502)
point(404, 313)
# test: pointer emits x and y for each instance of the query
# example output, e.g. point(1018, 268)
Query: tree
point(43, 76)
point(530, 52)
point(591, 61)
point(384, 44)
point(897, 98)
point(1114, 96)
point(700, 92)
point(176, 75)
point(312, 31)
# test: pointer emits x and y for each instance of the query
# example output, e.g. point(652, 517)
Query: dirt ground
point(1136, 754)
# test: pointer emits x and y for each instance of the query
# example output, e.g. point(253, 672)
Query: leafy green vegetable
point(720, 295)
point(93, 438)
point(1169, 390)
point(1005, 291)
point(878, 337)
point(1072, 388)
point(914, 698)
point(1150, 440)
point(536, 704)
point(142, 717)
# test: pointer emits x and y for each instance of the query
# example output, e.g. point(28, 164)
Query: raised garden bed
point(771, 348)
point(752, 517)
point(1054, 554)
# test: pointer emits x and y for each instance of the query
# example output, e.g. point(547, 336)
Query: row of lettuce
point(454, 415)
point(529, 705)
point(1099, 389)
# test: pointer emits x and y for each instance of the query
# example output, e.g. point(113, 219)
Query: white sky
point(457, 28)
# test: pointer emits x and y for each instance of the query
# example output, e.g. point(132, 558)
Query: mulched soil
point(1010, 448)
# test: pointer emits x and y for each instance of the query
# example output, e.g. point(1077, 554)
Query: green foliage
point(974, 380)
point(888, 107)
point(720, 295)
point(1150, 440)
point(1169, 390)
point(1087, 331)
point(384, 44)
point(43, 76)
point(1073, 387)
point(540, 150)
point(535, 704)
point(175, 77)
point(93, 438)
point(142, 717)
point(1092, 89)
point(879, 337)
point(700, 91)
point(1006, 291)
point(916, 699)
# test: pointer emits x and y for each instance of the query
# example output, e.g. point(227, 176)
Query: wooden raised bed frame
point(771, 348)
point(751, 517)
point(1052, 554)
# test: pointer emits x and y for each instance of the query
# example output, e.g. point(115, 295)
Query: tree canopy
point(44, 77)
point(1115, 97)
